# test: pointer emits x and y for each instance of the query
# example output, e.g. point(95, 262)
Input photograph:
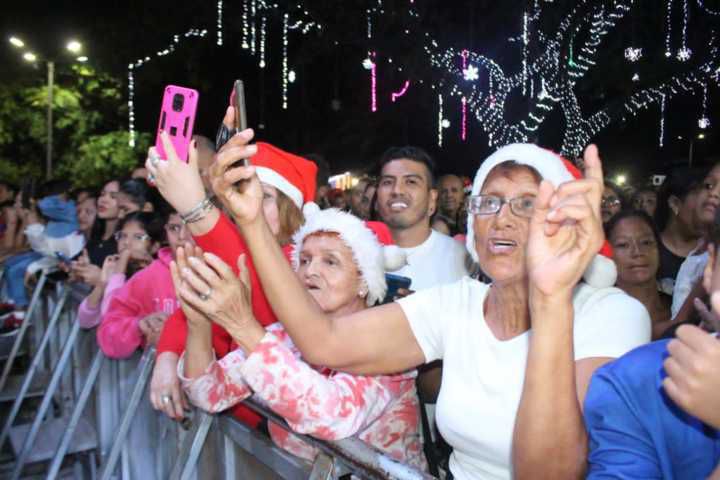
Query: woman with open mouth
point(511, 400)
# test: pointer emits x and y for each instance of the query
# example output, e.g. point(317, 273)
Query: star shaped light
point(471, 73)
point(684, 54)
point(633, 54)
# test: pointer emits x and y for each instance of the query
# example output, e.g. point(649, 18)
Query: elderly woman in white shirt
point(518, 353)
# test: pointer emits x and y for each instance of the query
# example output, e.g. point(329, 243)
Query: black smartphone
point(395, 283)
point(237, 99)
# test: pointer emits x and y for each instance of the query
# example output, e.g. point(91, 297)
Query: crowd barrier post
point(145, 368)
point(49, 393)
point(35, 300)
point(192, 445)
point(76, 414)
point(323, 468)
point(37, 359)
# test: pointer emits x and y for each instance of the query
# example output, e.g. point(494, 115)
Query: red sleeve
point(225, 241)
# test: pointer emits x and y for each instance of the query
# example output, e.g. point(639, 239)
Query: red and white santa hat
point(293, 175)
point(371, 244)
point(552, 167)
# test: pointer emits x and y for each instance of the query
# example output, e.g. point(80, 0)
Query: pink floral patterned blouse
point(383, 411)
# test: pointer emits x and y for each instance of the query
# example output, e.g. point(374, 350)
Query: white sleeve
point(424, 312)
point(611, 326)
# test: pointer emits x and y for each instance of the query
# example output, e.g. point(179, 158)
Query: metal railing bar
point(23, 329)
point(145, 368)
point(75, 417)
point(46, 401)
point(37, 359)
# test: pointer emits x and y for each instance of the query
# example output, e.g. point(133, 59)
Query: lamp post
point(74, 47)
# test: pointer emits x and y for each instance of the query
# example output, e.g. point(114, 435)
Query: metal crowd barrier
point(85, 418)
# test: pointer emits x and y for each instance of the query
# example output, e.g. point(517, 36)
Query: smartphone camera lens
point(178, 102)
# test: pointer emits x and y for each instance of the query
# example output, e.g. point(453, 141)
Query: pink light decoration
point(463, 125)
point(373, 83)
point(463, 128)
point(395, 95)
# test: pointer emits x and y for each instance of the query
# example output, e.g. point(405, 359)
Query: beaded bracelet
point(198, 212)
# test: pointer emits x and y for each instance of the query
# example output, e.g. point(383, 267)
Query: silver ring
point(154, 159)
point(206, 296)
point(165, 399)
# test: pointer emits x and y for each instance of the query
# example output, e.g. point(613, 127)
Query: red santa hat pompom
point(552, 167)
point(371, 244)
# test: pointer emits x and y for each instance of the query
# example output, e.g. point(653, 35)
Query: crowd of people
point(547, 324)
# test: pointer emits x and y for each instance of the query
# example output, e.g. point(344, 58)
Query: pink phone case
point(177, 117)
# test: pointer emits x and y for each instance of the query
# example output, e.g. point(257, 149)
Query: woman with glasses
point(510, 402)
point(135, 313)
point(612, 202)
point(634, 240)
point(138, 238)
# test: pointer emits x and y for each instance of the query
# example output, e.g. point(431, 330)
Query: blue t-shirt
point(636, 431)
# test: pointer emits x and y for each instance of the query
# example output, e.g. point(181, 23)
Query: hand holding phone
point(237, 100)
point(395, 283)
point(177, 118)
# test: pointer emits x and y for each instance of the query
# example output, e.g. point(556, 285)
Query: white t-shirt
point(690, 271)
point(436, 261)
point(483, 377)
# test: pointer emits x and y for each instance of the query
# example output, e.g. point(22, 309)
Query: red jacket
point(225, 241)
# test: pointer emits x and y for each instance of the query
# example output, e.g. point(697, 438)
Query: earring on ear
point(362, 293)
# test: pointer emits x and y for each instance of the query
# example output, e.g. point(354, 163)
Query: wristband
point(198, 212)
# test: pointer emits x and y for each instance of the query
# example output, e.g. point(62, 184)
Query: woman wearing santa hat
point(518, 353)
point(341, 261)
point(287, 183)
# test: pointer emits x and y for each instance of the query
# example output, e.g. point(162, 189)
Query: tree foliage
point(89, 140)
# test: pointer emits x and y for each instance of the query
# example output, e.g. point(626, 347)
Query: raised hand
point(213, 289)
point(237, 186)
point(565, 230)
point(176, 267)
point(179, 183)
point(693, 370)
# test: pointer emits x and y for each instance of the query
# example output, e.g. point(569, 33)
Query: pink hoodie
point(148, 291)
point(90, 317)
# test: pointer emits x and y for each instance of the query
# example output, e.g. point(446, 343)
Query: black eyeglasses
point(491, 204)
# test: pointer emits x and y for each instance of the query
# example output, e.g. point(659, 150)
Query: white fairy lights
point(662, 121)
point(471, 73)
point(286, 19)
point(668, 29)
point(704, 121)
point(263, 35)
point(440, 120)
point(219, 31)
point(132, 67)
point(633, 54)
point(684, 53)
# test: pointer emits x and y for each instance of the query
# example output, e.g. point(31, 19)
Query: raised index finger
point(593, 164)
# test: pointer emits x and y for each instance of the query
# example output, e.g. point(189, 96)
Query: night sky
point(351, 137)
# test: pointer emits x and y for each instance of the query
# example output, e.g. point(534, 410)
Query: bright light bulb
point(445, 123)
point(684, 54)
point(82, 58)
point(29, 56)
point(636, 78)
point(471, 73)
point(621, 179)
point(367, 64)
point(704, 123)
point(74, 46)
point(17, 42)
point(701, 136)
point(291, 76)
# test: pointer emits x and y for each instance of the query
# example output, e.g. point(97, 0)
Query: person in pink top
point(342, 263)
point(137, 311)
point(139, 237)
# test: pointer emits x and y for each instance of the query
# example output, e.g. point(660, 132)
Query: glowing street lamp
point(621, 179)
point(74, 46)
point(16, 42)
point(82, 58)
point(29, 57)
